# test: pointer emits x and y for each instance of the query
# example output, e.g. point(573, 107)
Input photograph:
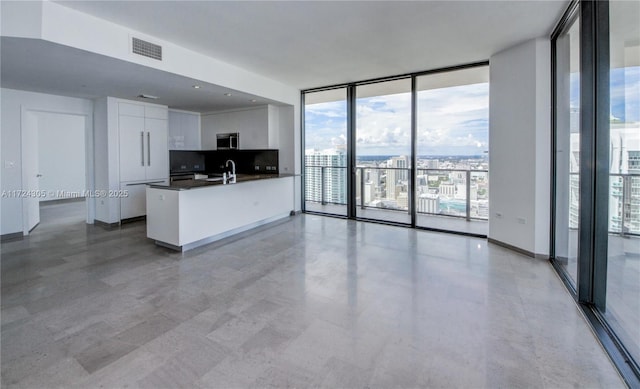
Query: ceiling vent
point(147, 49)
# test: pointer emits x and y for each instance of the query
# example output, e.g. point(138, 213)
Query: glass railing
point(383, 188)
point(326, 184)
point(453, 192)
point(444, 192)
point(624, 204)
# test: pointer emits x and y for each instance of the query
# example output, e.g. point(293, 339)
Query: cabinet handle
point(148, 149)
point(142, 148)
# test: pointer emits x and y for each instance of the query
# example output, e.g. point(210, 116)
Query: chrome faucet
point(229, 178)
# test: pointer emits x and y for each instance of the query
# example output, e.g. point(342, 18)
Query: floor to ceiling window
point(383, 150)
point(623, 262)
point(596, 246)
point(325, 152)
point(410, 150)
point(452, 181)
point(567, 124)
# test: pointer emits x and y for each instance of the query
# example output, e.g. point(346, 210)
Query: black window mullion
point(414, 150)
point(594, 150)
point(602, 141)
point(351, 152)
point(303, 170)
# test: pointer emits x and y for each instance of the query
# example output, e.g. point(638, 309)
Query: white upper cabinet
point(184, 130)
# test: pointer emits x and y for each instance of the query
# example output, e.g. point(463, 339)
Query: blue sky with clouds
point(451, 121)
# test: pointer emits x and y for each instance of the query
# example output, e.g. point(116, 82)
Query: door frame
point(88, 154)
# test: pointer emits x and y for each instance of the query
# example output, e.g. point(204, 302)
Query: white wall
point(12, 103)
point(61, 154)
point(519, 139)
point(55, 23)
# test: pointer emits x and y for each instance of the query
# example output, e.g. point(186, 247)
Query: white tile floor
point(310, 301)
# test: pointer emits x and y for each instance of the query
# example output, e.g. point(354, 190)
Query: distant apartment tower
point(432, 164)
point(326, 168)
point(394, 177)
point(429, 203)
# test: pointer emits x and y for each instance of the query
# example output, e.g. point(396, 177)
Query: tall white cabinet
point(131, 151)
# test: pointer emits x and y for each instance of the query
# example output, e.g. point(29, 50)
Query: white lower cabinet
point(134, 204)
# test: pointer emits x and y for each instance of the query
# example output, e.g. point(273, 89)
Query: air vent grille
point(147, 49)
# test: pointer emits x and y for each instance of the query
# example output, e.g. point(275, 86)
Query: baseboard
point(15, 236)
point(105, 225)
point(62, 201)
point(133, 219)
point(518, 249)
point(231, 235)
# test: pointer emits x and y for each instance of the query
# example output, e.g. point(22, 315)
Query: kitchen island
point(186, 215)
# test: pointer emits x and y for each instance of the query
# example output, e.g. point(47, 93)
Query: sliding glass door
point(383, 151)
point(409, 150)
point(567, 148)
point(452, 180)
point(623, 257)
point(325, 154)
point(596, 245)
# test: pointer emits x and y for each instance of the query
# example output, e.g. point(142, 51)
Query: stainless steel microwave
point(228, 141)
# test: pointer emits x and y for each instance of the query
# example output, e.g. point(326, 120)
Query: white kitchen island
point(184, 218)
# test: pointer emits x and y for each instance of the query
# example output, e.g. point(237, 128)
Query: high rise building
point(396, 176)
point(428, 203)
point(326, 168)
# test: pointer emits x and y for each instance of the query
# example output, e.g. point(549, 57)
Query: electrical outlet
point(522, 220)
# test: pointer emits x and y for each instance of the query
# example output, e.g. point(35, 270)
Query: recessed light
point(228, 94)
point(196, 87)
point(253, 100)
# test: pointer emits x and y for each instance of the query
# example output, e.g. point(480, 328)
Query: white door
point(133, 143)
point(31, 174)
point(157, 148)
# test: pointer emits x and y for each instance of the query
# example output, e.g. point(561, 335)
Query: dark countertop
point(201, 183)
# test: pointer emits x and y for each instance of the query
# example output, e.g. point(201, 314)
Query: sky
point(451, 121)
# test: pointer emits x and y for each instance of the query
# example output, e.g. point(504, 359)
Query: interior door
point(156, 143)
point(133, 143)
point(31, 175)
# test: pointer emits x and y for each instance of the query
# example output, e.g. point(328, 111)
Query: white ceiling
point(301, 43)
point(317, 43)
point(40, 66)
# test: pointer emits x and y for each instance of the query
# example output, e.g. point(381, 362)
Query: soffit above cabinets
point(41, 66)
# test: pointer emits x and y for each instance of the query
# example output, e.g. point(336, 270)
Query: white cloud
point(448, 119)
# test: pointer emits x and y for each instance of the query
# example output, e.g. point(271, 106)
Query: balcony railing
point(444, 192)
point(622, 200)
point(316, 178)
point(452, 195)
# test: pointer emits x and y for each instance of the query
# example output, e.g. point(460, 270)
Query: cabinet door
point(191, 131)
point(132, 148)
point(176, 139)
point(135, 204)
point(157, 158)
